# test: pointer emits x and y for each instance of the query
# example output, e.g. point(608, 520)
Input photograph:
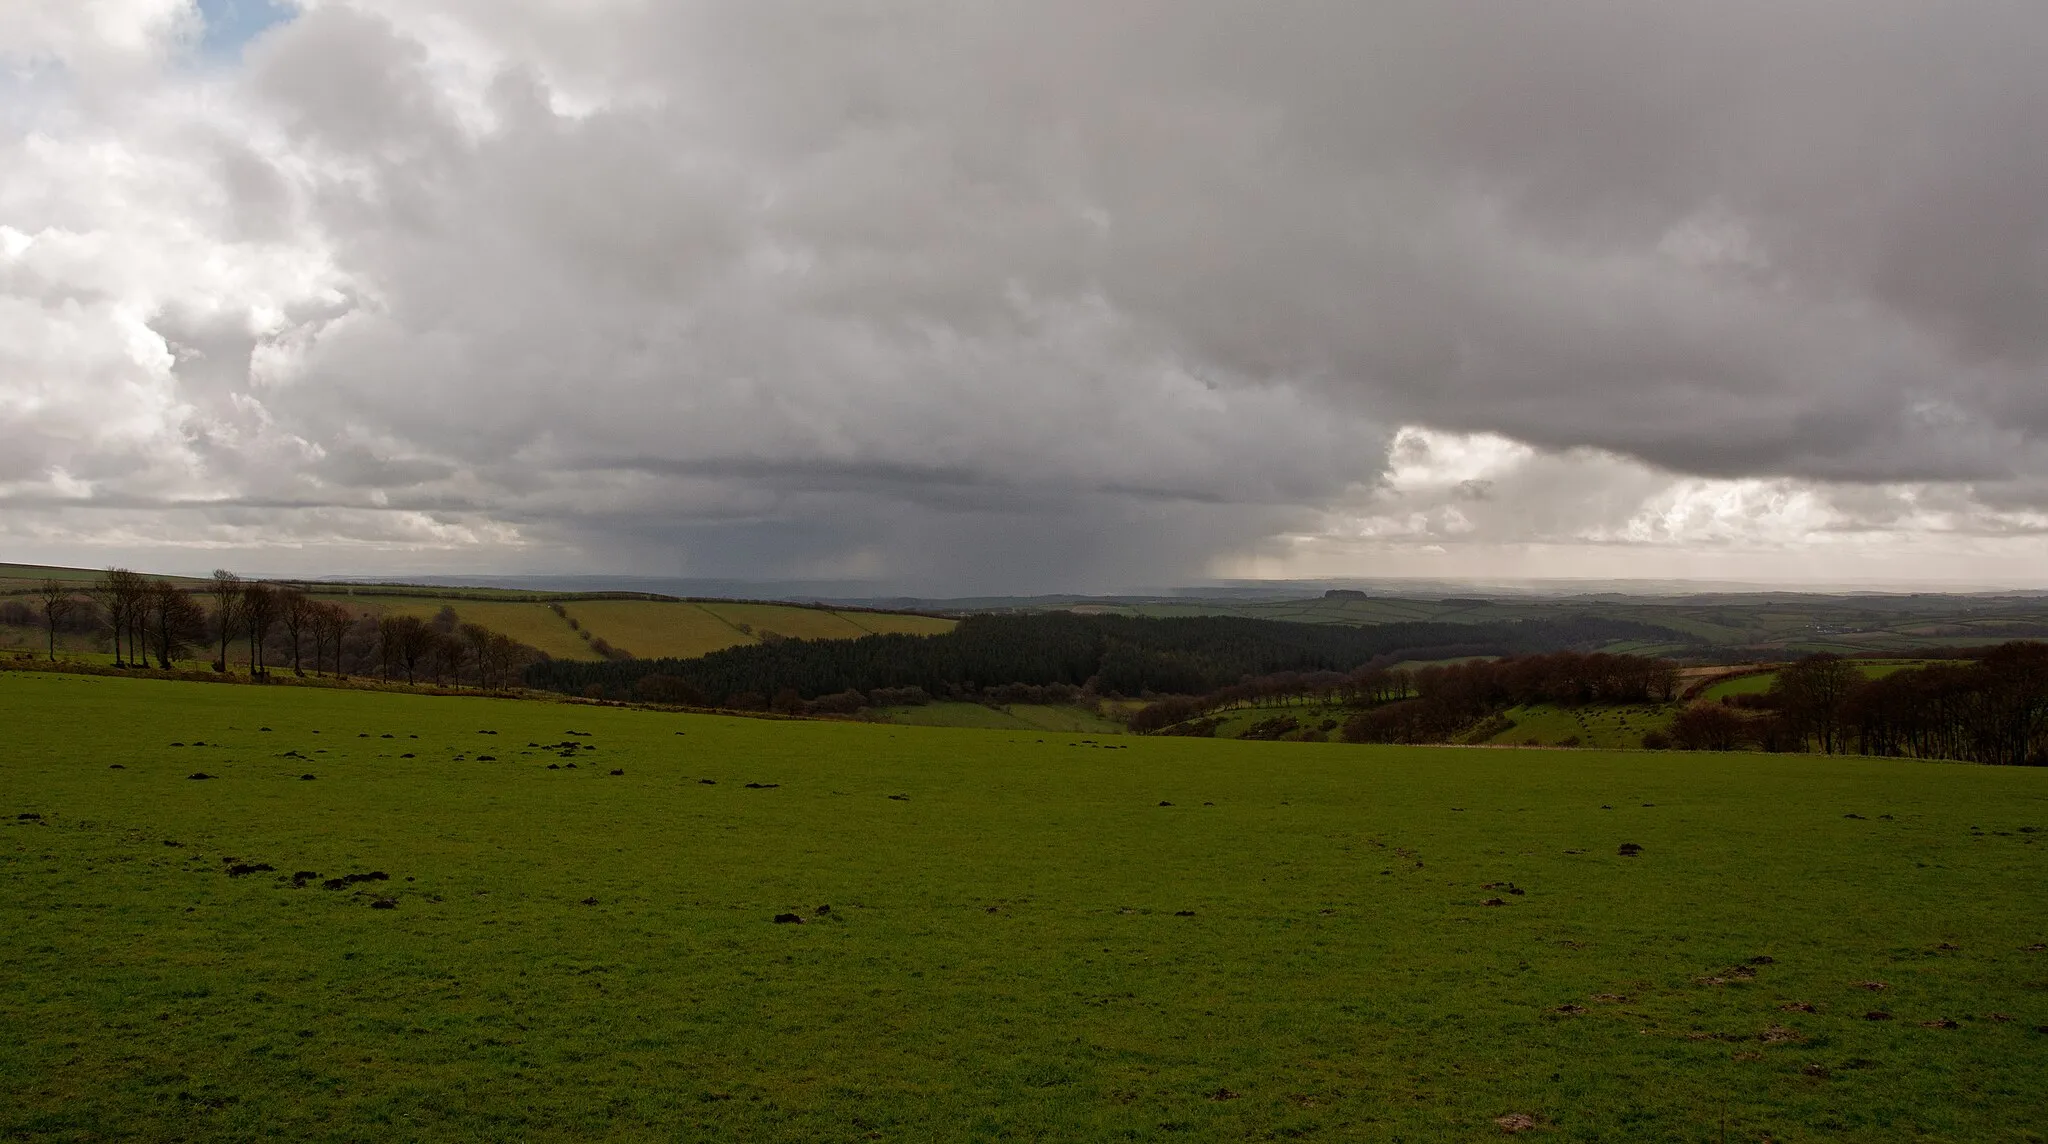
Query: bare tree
point(449, 653)
point(175, 619)
point(320, 626)
point(109, 597)
point(388, 639)
point(1812, 693)
point(138, 624)
point(58, 602)
point(259, 614)
point(478, 637)
point(226, 590)
point(412, 640)
point(335, 621)
point(120, 593)
point(296, 611)
point(506, 656)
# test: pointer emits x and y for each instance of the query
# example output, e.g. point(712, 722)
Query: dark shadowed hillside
point(1123, 655)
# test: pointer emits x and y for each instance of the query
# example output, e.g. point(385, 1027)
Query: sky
point(978, 296)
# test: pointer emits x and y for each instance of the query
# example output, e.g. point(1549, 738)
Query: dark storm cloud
point(987, 290)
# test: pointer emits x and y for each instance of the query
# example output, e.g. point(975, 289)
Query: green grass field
point(1761, 682)
point(1755, 684)
point(1024, 940)
point(656, 629)
point(1236, 722)
point(1011, 717)
point(1612, 728)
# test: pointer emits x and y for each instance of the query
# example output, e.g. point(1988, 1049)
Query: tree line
point(1101, 655)
point(156, 622)
point(1450, 698)
point(1992, 708)
point(1434, 702)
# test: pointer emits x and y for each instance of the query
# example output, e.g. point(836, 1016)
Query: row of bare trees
point(254, 609)
point(1992, 709)
point(145, 616)
point(420, 649)
point(160, 621)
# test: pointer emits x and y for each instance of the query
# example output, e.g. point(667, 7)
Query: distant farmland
point(563, 625)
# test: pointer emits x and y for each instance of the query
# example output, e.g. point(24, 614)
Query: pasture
point(1006, 717)
point(997, 934)
point(1607, 726)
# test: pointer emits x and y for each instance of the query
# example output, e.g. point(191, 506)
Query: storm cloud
point(993, 296)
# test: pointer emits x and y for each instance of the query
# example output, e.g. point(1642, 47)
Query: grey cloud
point(1099, 291)
point(1449, 212)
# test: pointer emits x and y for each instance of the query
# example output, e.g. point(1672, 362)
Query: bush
point(1656, 741)
point(1165, 713)
point(1407, 721)
point(898, 697)
point(1272, 730)
point(668, 689)
point(1708, 727)
point(843, 703)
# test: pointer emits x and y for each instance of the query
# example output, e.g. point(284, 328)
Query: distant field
point(532, 624)
point(1761, 682)
point(654, 630)
point(648, 628)
point(1611, 728)
point(1012, 717)
point(1138, 939)
point(1738, 626)
point(1237, 721)
point(1755, 684)
point(1775, 622)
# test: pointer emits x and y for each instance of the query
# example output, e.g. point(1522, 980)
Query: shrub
point(844, 703)
point(1708, 727)
point(668, 689)
point(898, 697)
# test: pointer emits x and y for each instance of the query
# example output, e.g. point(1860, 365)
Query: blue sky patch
point(233, 23)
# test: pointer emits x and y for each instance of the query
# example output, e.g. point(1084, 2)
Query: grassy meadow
point(1007, 717)
point(1030, 935)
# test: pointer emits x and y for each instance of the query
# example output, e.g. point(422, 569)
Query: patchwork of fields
point(563, 627)
point(1131, 939)
point(1769, 624)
